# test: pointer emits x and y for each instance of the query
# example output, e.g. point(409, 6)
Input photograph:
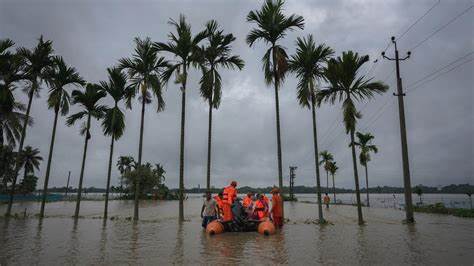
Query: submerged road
point(158, 238)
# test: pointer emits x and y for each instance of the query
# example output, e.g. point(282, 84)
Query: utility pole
point(67, 184)
point(292, 182)
point(403, 133)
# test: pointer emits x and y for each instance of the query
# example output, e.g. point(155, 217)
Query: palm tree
point(307, 65)
point(144, 68)
point(346, 85)
point(365, 145)
point(326, 159)
point(11, 125)
point(30, 160)
point(88, 100)
point(215, 55)
point(11, 68)
point(184, 46)
point(113, 124)
point(36, 62)
point(59, 78)
point(333, 169)
point(272, 26)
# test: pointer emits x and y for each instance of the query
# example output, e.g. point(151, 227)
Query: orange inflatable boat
point(263, 227)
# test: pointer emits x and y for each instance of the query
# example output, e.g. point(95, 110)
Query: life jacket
point(326, 199)
point(247, 202)
point(266, 199)
point(229, 193)
point(277, 206)
point(261, 209)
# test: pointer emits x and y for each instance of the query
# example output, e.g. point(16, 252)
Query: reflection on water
point(159, 239)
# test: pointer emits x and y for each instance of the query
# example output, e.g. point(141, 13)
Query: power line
point(418, 20)
point(440, 69)
point(442, 27)
point(441, 74)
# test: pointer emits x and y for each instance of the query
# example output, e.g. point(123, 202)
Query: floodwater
point(158, 239)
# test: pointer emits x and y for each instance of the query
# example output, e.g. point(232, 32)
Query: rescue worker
point(326, 200)
point(247, 201)
point(218, 198)
point(260, 208)
point(277, 210)
point(229, 195)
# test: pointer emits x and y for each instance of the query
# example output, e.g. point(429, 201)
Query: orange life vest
point(261, 208)
point(247, 201)
point(277, 206)
point(230, 193)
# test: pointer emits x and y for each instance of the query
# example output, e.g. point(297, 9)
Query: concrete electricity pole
point(403, 133)
point(67, 184)
point(292, 182)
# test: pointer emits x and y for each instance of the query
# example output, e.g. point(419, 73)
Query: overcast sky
point(93, 35)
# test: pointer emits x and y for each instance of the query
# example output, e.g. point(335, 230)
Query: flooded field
point(158, 238)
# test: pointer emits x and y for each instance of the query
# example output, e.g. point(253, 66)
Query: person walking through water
point(326, 200)
point(209, 210)
point(277, 210)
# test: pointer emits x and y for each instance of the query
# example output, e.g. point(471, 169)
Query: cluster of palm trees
point(313, 66)
point(322, 78)
point(144, 74)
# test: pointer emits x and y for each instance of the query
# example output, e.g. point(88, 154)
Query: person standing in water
point(326, 200)
point(277, 210)
point(230, 194)
point(209, 210)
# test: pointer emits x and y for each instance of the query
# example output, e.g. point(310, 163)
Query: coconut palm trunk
point(140, 148)
point(334, 189)
point(277, 112)
point(367, 184)
point(327, 181)
point(20, 149)
point(316, 164)
point(109, 172)
point(209, 143)
point(48, 166)
point(181, 148)
point(356, 179)
point(81, 177)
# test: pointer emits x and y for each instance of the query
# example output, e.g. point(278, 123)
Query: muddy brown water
point(158, 239)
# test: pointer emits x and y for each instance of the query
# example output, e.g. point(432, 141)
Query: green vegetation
point(272, 27)
point(346, 85)
point(441, 209)
point(307, 65)
point(365, 145)
point(212, 57)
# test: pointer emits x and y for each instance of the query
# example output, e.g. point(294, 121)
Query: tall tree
point(59, 78)
point(326, 159)
point(307, 64)
point(88, 101)
point(30, 160)
point(184, 46)
point(347, 85)
point(272, 26)
point(216, 54)
point(113, 124)
point(366, 147)
point(333, 169)
point(144, 69)
point(36, 62)
point(11, 124)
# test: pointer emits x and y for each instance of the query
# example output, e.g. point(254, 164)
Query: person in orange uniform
point(230, 194)
point(277, 210)
point(218, 198)
point(261, 208)
point(247, 201)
